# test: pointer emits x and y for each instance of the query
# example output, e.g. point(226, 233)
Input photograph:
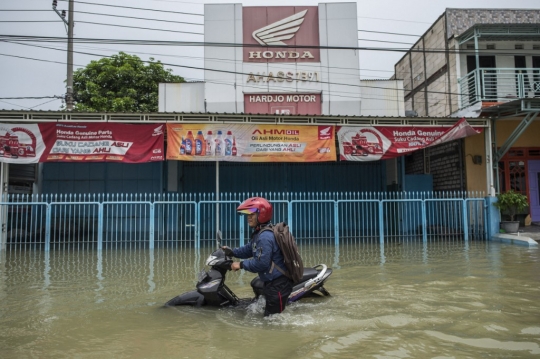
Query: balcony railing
point(499, 85)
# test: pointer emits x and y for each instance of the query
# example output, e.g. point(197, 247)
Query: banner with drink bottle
point(250, 143)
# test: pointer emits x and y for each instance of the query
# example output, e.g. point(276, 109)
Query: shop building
point(249, 78)
point(247, 73)
point(476, 63)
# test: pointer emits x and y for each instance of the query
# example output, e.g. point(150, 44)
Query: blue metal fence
point(192, 220)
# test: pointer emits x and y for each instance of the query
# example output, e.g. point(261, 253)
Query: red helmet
point(259, 205)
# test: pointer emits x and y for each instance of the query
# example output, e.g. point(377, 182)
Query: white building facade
point(294, 60)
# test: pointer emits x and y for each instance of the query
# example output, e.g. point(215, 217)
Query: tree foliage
point(120, 83)
point(511, 202)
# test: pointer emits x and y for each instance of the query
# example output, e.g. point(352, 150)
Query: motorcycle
point(211, 289)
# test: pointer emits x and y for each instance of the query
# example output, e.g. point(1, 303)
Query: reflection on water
point(397, 301)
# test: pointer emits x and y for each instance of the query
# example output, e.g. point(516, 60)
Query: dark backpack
point(286, 242)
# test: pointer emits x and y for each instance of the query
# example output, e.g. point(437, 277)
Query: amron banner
point(383, 142)
point(81, 142)
point(250, 143)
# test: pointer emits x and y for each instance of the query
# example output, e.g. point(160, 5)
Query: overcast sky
point(38, 68)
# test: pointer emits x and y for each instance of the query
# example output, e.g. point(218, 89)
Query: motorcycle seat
point(309, 273)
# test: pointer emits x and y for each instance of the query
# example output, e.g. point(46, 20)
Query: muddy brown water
point(440, 300)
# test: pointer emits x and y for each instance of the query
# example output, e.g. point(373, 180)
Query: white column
point(489, 161)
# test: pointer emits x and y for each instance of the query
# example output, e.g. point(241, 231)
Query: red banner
point(383, 142)
point(81, 142)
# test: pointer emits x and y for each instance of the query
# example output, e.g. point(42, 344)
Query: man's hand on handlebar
point(235, 266)
point(228, 251)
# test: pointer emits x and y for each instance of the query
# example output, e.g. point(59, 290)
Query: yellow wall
point(475, 174)
point(530, 138)
point(474, 145)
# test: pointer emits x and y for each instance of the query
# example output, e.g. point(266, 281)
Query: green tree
point(120, 83)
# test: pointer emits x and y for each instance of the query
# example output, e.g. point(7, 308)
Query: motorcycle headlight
point(210, 284)
point(212, 260)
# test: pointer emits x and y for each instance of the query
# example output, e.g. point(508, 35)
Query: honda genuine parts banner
point(81, 142)
point(250, 143)
point(383, 142)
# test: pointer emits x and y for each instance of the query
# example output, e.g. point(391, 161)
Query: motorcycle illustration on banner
point(383, 142)
point(20, 143)
point(363, 143)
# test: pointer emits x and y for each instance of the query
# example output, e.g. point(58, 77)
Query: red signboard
point(81, 142)
point(266, 28)
point(383, 142)
point(283, 103)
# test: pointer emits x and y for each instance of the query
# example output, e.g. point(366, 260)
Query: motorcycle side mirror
point(218, 238)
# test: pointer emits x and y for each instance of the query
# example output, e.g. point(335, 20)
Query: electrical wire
point(52, 39)
point(140, 28)
point(172, 21)
point(30, 58)
point(32, 107)
point(199, 68)
point(364, 49)
point(238, 61)
point(389, 33)
point(12, 104)
point(26, 21)
point(29, 98)
point(44, 103)
point(334, 93)
point(163, 30)
point(111, 15)
point(243, 73)
point(139, 18)
point(199, 14)
point(380, 18)
point(137, 8)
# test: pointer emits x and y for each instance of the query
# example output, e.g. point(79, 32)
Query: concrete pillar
point(493, 217)
point(4, 182)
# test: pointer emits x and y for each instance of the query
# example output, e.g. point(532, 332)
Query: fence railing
point(192, 220)
point(499, 85)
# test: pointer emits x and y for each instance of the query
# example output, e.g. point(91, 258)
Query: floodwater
point(440, 300)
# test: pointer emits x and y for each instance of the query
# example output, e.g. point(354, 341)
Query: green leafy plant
point(120, 83)
point(510, 203)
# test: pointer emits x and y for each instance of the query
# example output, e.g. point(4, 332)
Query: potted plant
point(510, 203)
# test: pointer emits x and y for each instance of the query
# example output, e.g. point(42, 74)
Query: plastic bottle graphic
point(209, 143)
point(200, 144)
point(234, 151)
point(219, 144)
point(228, 144)
point(189, 143)
point(183, 146)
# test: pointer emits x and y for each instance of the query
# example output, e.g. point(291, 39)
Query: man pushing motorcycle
point(262, 254)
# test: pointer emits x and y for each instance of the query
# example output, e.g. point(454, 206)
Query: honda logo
point(281, 28)
point(284, 29)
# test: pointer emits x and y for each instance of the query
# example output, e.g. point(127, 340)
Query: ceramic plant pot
point(510, 226)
